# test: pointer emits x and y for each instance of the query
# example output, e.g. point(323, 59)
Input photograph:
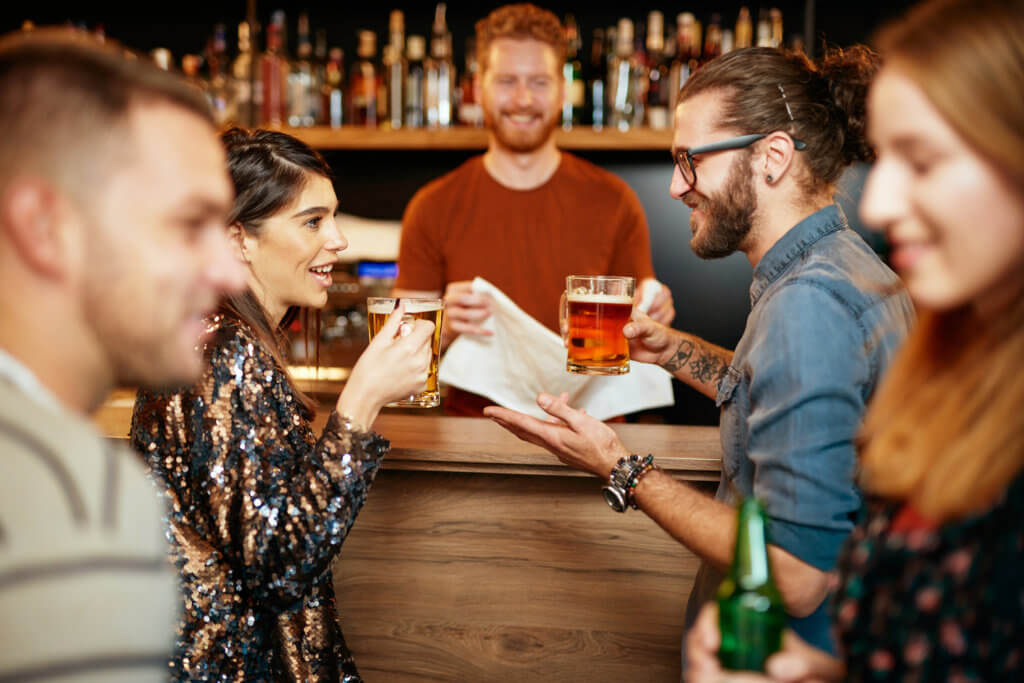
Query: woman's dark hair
point(268, 169)
point(821, 103)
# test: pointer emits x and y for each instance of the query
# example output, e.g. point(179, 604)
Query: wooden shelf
point(354, 137)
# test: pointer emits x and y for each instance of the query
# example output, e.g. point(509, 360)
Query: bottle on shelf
point(320, 73)
point(363, 81)
point(274, 71)
point(334, 88)
point(246, 83)
point(439, 74)
point(657, 73)
point(764, 29)
point(744, 36)
point(221, 94)
point(775, 20)
point(303, 88)
point(620, 81)
point(470, 111)
point(596, 70)
point(572, 75)
point(687, 57)
point(713, 38)
point(414, 82)
point(395, 69)
point(751, 614)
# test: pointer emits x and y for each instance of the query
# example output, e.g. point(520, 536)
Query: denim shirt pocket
point(727, 386)
point(729, 426)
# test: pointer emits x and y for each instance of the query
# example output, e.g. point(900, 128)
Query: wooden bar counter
point(479, 557)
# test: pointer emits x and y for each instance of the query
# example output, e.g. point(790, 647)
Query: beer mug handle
point(563, 319)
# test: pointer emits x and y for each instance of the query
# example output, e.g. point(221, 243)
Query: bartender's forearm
point(698, 363)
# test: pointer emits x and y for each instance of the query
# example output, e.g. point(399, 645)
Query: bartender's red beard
point(519, 140)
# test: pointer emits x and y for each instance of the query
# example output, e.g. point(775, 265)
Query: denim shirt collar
point(794, 243)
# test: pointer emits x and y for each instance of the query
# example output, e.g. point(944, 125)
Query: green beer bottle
point(751, 615)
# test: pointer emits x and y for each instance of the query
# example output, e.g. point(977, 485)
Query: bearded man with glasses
point(761, 138)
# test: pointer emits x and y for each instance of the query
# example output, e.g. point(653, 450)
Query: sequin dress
point(919, 603)
point(259, 510)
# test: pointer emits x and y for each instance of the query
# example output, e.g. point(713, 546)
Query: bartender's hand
point(797, 662)
point(464, 312)
point(577, 439)
point(662, 308)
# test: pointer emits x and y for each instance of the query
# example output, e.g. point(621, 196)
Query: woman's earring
point(769, 178)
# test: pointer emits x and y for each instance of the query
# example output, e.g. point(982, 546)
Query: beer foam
point(601, 298)
point(411, 306)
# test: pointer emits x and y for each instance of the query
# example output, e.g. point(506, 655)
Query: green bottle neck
point(750, 559)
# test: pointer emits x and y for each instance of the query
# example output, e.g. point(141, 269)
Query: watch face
point(616, 501)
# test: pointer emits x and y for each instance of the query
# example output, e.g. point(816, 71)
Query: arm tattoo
point(679, 358)
point(708, 367)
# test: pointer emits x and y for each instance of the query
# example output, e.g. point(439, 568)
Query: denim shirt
point(823, 326)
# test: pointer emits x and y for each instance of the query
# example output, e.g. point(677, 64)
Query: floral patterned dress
point(259, 510)
point(924, 603)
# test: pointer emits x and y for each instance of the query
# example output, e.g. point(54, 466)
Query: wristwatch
point(623, 479)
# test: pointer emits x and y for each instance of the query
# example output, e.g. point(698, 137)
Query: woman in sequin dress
point(260, 505)
point(930, 584)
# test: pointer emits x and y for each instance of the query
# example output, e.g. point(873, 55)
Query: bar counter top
point(439, 443)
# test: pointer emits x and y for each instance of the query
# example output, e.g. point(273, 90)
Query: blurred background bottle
point(333, 98)
point(395, 70)
point(362, 82)
point(657, 73)
point(572, 75)
point(751, 615)
point(414, 82)
point(595, 73)
point(439, 74)
point(274, 75)
point(470, 111)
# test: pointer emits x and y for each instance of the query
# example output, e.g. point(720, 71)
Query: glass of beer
point(595, 309)
point(378, 308)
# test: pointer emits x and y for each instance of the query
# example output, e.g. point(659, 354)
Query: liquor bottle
point(657, 73)
point(245, 80)
point(751, 615)
point(687, 57)
point(595, 74)
point(775, 20)
point(362, 83)
point(222, 97)
point(764, 29)
point(274, 76)
point(439, 74)
point(320, 75)
point(395, 68)
point(744, 36)
point(638, 77)
point(414, 82)
point(620, 71)
point(572, 76)
point(470, 112)
point(303, 90)
point(713, 38)
point(334, 88)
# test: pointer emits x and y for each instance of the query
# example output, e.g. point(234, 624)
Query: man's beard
point(521, 142)
point(728, 215)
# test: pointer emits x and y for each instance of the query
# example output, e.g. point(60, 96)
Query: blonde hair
point(945, 429)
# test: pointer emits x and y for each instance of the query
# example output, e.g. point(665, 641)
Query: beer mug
point(378, 308)
point(594, 310)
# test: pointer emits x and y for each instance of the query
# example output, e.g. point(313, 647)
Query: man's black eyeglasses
point(684, 157)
